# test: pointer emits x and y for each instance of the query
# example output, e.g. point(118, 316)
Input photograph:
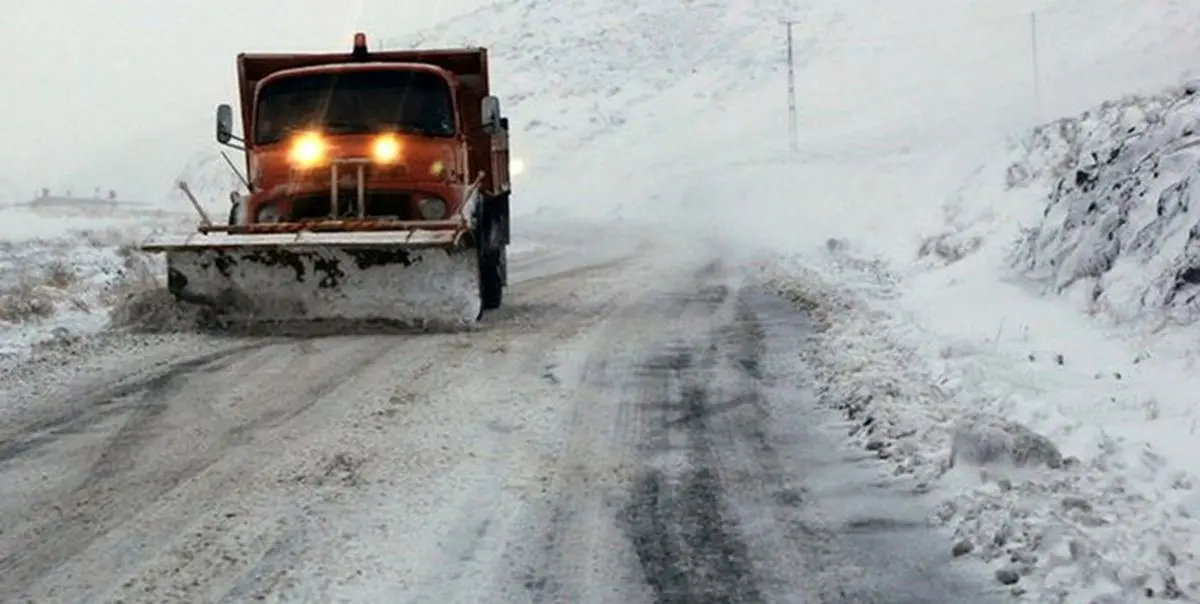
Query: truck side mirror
point(490, 115)
point(224, 124)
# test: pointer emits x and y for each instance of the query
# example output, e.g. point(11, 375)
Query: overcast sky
point(97, 93)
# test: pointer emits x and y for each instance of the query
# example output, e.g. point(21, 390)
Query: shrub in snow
point(25, 302)
point(985, 440)
point(1121, 221)
point(147, 307)
point(35, 292)
point(949, 247)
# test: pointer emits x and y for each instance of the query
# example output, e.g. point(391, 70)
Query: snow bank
point(1029, 446)
point(62, 270)
point(55, 291)
point(1061, 442)
point(1122, 222)
point(69, 269)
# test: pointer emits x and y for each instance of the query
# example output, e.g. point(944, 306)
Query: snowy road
point(633, 428)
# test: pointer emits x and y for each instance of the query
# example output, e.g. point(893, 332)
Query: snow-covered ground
point(67, 265)
point(1005, 311)
point(898, 224)
point(63, 265)
point(1007, 319)
point(1083, 334)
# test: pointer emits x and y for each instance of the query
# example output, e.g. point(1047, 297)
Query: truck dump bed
point(469, 65)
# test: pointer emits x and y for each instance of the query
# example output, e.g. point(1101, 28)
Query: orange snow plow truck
point(378, 188)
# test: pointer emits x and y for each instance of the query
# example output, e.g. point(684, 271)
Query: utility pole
point(791, 63)
point(1037, 72)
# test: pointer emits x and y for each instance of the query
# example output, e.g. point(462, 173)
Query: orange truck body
point(378, 189)
point(450, 168)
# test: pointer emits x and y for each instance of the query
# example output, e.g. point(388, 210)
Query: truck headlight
point(307, 150)
point(432, 208)
point(269, 213)
point(386, 149)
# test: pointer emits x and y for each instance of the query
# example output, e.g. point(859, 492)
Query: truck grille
point(316, 206)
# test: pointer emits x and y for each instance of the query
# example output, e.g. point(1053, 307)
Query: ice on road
point(632, 428)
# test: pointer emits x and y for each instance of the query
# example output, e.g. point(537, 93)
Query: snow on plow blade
point(412, 277)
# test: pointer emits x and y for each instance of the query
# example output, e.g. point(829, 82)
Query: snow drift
point(1122, 220)
point(70, 268)
point(59, 281)
point(1060, 446)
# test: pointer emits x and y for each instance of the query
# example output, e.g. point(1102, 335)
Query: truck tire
point(493, 269)
point(491, 278)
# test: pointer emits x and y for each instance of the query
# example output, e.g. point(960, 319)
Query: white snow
point(63, 265)
point(895, 223)
point(1047, 356)
point(1031, 370)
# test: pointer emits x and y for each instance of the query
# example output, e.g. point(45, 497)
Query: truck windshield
point(355, 102)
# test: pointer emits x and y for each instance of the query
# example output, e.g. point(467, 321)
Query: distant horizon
point(70, 195)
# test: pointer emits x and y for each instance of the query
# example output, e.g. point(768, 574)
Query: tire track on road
point(689, 543)
point(84, 409)
point(667, 487)
point(476, 560)
point(582, 553)
point(129, 475)
point(201, 479)
point(505, 347)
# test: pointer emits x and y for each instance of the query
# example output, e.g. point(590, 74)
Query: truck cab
point(407, 136)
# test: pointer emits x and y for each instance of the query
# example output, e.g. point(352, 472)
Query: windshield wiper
point(417, 129)
point(331, 127)
point(346, 127)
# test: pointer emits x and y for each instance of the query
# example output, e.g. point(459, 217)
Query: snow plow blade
point(417, 277)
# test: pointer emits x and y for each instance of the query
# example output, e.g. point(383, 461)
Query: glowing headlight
point(386, 150)
point(432, 208)
point(307, 150)
point(269, 213)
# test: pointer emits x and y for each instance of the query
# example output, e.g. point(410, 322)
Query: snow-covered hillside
point(572, 72)
point(942, 197)
point(1056, 432)
point(899, 217)
point(1122, 221)
point(1057, 296)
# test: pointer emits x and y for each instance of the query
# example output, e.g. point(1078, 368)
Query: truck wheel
point(491, 279)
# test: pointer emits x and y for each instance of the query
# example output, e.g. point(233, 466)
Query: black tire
point(491, 279)
point(493, 244)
